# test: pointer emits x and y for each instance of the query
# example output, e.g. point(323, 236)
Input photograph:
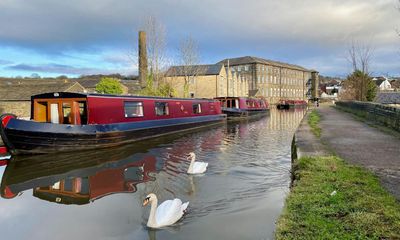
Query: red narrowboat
point(242, 107)
point(286, 104)
point(65, 121)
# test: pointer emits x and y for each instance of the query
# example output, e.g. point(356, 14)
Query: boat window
point(233, 103)
point(66, 109)
point(161, 108)
point(82, 112)
point(133, 109)
point(196, 108)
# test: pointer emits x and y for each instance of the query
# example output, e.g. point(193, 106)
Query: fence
point(378, 113)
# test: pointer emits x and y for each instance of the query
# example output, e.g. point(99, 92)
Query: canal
point(99, 194)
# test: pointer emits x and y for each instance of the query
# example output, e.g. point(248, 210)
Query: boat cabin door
point(61, 111)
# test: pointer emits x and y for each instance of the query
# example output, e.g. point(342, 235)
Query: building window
point(191, 95)
point(196, 108)
point(133, 109)
point(161, 108)
point(239, 68)
point(246, 67)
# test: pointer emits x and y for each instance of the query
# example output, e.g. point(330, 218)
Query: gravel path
point(358, 143)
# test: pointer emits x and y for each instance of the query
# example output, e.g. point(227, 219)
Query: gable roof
point(24, 91)
point(379, 82)
point(251, 59)
point(388, 98)
point(194, 70)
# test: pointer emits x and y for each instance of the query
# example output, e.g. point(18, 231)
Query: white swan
point(168, 213)
point(196, 167)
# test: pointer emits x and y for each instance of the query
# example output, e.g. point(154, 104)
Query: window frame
point(165, 110)
point(199, 108)
point(136, 116)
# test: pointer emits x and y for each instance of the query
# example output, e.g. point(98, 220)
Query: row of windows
point(241, 68)
point(269, 69)
point(135, 109)
point(276, 92)
point(275, 80)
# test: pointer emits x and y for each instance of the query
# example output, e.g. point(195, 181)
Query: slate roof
point(250, 59)
point(88, 83)
point(194, 70)
point(388, 98)
point(132, 85)
point(379, 82)
point(23, 90)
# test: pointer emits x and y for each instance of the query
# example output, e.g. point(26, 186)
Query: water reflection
point(247, 178)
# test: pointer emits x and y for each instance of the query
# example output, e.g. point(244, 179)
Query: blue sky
point(75, 37)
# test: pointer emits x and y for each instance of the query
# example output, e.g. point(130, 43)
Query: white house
point(382, 83)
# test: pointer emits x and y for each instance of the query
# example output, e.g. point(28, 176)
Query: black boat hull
point(29, 137)
point(235, 113)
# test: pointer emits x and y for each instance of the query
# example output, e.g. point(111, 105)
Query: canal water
point(99, 194)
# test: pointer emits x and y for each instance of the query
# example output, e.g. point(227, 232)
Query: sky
point(81, 37)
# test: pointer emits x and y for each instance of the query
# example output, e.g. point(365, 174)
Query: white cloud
point(283, 30)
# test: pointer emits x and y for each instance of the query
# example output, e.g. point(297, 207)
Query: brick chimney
point(142, 59)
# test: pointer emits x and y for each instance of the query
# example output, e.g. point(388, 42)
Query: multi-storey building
point(271, 79)
point(205, 81)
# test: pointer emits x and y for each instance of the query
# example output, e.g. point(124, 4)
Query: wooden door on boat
point(61, 111)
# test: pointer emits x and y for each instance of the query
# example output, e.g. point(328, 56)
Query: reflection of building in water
point(285, 119)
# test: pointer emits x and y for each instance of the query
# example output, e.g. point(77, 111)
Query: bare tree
point(359, 56)
point(156, 44)
point(156, 48)
point(189, 60)
point(358, 83)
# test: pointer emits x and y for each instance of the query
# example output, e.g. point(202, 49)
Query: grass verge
point(313, 120)
point(360, 209)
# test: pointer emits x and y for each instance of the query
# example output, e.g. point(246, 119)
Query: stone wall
point(20, 108)
point(382, 114)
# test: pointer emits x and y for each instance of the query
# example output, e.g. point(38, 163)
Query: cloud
point(286, 30)
point(5, 62)
point(60, 69)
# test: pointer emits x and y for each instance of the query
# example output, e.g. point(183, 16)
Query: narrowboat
point(63, 121)
point(242, 107)
point(287, 104)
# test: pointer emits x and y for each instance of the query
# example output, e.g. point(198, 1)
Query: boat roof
point(85, 95)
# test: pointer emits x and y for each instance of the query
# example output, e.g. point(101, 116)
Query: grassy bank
point(360, 209)
point(313, 120)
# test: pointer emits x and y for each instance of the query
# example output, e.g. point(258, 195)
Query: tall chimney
point(142, 59)
point(314, 84)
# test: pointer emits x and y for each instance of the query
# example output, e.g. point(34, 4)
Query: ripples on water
point(98, 194)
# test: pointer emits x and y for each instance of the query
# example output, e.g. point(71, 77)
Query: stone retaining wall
point(21, 109)
point(386, 115)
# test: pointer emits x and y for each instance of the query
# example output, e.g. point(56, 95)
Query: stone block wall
point(382, 114)
point(20, 108)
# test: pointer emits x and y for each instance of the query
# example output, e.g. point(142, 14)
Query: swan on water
point(168, 213)
point(196, 167)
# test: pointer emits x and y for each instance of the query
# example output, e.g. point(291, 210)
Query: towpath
point(360, 144)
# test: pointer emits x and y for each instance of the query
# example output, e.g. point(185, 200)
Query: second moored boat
point(243, 107)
